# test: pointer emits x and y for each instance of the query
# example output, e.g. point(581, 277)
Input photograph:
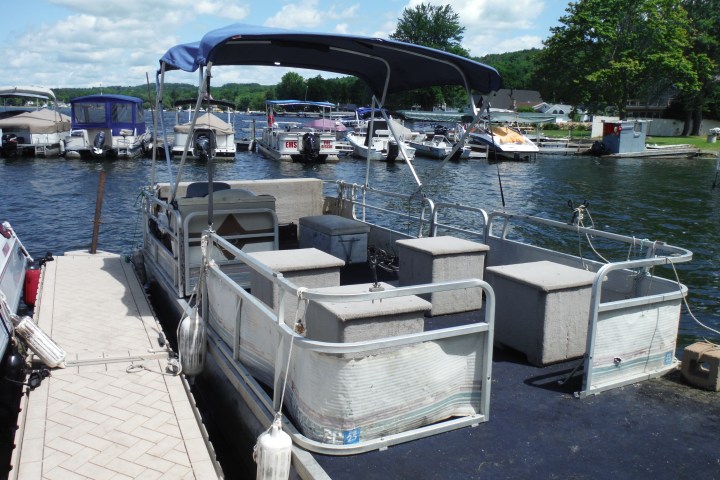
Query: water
point(51, 202)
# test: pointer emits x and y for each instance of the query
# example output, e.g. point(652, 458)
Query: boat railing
point(633, 313)
point(500, 225)
point(428, 222)
point(356, 199)
point(159, 214)
point(310, 357)
point(447, 210)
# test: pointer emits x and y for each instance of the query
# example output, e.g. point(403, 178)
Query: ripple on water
point(51, 202)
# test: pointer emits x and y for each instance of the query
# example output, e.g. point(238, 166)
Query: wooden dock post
point(98, 211)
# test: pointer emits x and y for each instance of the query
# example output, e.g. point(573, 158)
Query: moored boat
point(503, 142)
point(16, 285)
point(32, 131)
point(218, 133)
point(106, 126)
point(374, 140)
point(297, 142)
point(349, 359)
point(439, 147)
point(627, 138)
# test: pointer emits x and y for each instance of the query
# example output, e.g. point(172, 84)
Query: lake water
point(51, 202)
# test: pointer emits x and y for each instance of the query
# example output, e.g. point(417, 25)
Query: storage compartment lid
point(334, 225)
point(544, 275)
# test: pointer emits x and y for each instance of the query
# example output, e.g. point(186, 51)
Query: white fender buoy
point(273, 453)
point(191, 337)
point(39, 342)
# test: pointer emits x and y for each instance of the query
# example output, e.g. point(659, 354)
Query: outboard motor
point(202, 143)
point(441, 130)
point(393, 151)
point(10, 144)
point(99, 143)
point(311, 146)
point(598, 149)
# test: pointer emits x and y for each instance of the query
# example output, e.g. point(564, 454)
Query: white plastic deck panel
point(114, 412)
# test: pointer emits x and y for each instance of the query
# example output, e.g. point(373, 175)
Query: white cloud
point(298, 15)
point(113, 41)
point(491, 26)
point(307, 14)
point(118, 41)
point(490, 14)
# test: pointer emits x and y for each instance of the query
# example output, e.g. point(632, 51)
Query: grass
point(699, 142)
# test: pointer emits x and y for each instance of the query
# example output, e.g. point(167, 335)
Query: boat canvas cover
point(27, 91)
point(299, 103)
point(38, 122)
point(207, 121)
point(367, 58)
point(327, 124)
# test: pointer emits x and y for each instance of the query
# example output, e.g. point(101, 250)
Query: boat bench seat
point(244, 219)
point(342, 237)
point(294, 197)
point(542, 309)
point(441, 259)
point(341, 322)
point(305, 267)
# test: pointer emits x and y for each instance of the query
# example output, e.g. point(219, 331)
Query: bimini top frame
point(387, 66)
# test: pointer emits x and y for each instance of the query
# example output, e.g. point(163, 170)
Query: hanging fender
point(30, 287)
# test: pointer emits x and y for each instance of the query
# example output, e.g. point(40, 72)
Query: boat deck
point(114, 411)
point(655, 429)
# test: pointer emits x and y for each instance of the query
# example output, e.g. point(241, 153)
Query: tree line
point(602, 55)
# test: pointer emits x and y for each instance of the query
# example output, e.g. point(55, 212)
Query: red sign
point(291, 144)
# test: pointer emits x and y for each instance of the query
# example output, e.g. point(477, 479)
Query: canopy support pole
point(203, 75)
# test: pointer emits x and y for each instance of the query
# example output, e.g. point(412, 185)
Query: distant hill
point(516, 68)
point(241, 94)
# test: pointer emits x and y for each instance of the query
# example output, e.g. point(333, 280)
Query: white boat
point(32, 131)
point(439, 147)
point(382, 146)
point(503, 142)
point(14, 262)
point(107, 126)
point(365, 365)
point(219, 133)
point(295, 141)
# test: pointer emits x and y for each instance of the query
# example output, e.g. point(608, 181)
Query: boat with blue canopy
point(293, 141)
point(107, 126)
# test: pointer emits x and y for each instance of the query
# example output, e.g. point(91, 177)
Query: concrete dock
point(115, 412)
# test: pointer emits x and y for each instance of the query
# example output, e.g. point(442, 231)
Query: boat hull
point(13, 263)
point(293, 146)
point(503, 143)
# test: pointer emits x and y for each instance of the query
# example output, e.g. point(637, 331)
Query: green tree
point(515, 68)
point(291, 86)
point(316, 89)
point(437, 27)
point(607, 52)
point(432, 26)
point(705, 55)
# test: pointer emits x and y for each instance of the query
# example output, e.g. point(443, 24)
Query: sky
point(91, 43)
